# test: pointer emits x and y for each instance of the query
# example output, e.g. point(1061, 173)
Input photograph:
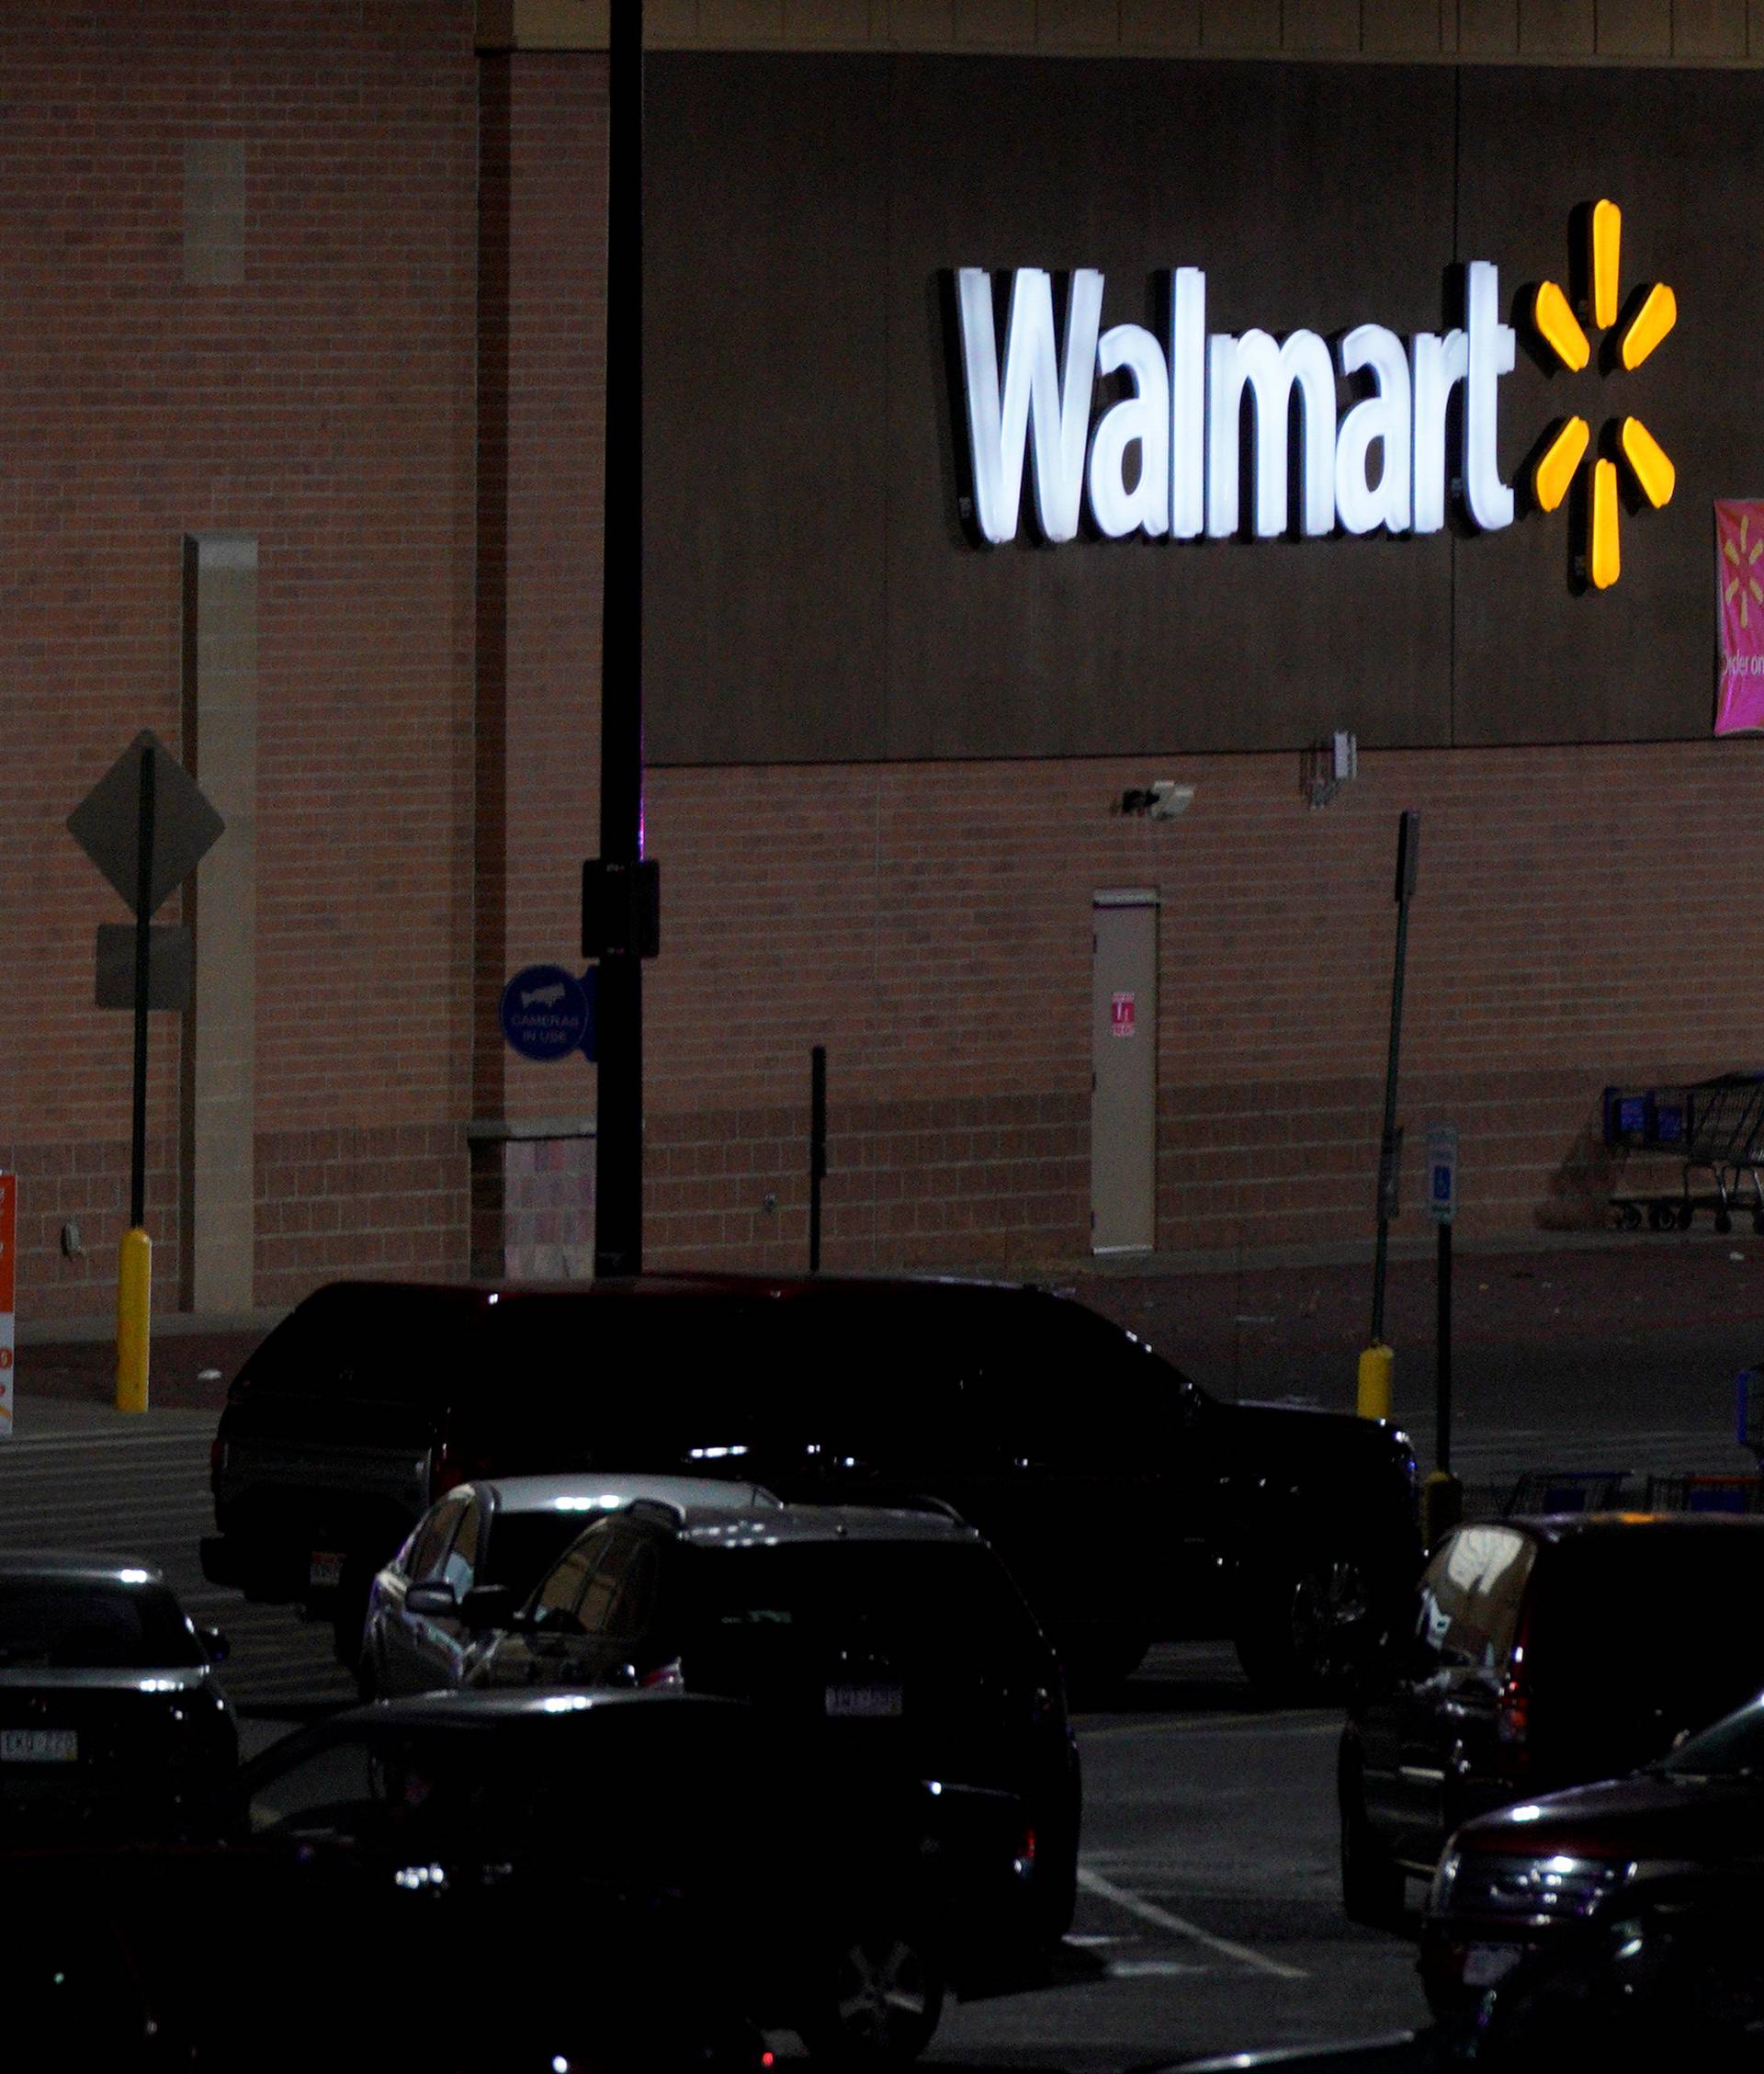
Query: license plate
point(39, 1746)
point(874, 1703)
point(1486, 1963)
point(325, 1570)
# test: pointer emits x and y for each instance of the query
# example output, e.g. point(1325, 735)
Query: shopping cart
point(1726, 1141)
point(1665, 1136)
point(1646, 1128)
point(1709, 1493)
point(1566, 1491)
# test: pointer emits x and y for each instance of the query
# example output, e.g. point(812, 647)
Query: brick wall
point(367, 1199)
point(555, 410)
point(542, 400)
point(323, 402)
point(1576, 923)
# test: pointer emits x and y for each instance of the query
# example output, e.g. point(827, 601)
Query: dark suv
point(1292, 1531)
point(1544, 1652)
point(1596, 1903)
point(896, 1638)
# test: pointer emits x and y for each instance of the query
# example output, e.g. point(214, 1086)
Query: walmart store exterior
point(1044, 405)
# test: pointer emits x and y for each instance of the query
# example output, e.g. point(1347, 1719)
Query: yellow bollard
point(1375, 1366)
point(1441, 1507)
point(134, 1318)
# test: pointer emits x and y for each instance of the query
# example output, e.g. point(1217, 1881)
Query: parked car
point(1294, 1531)
point(1544, 1652)
point(496, 1881)
point(899, 1635)
point(1668, 1976)
point(478, 1553)
point(110, 1718)
point(1676, 1852)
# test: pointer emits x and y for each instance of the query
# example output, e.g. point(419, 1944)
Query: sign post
point(1442, 1208)
point(1378, 1360)
point(146, 825)
point(8, 1287)
point(817, 1148)
point(1443, 1495)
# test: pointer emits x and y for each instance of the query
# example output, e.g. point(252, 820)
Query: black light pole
point(619, 1148)
point(1443, 1350)
point(1376, 1362)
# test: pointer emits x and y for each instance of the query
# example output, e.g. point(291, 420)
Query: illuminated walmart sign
point(1182, 418)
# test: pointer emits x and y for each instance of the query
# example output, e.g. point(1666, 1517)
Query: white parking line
point(1178, 1926)
point(1285, 1721)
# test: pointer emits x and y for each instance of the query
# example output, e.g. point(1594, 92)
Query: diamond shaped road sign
point(107, 822)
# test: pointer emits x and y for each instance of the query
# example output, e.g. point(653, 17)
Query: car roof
point(73, 1566)
point(479, 1293)
point(793, 1524)
point(588, 1492)
point(492, 1703)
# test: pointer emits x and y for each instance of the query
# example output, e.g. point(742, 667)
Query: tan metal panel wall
point(219, 1108)
point(1124, 1077)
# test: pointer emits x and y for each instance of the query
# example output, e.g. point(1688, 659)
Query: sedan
point(110, 1718)
point(476, 1554)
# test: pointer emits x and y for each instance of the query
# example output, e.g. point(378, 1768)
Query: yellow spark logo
point(1742, 584)
point(1648, 462)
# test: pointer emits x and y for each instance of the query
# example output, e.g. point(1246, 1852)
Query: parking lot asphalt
point(1208, 1920)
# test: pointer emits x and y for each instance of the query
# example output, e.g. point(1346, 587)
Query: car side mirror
point(215, 1644)
point(432, 1602)
point(488, 1605)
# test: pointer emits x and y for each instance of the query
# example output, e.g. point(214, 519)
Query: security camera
point(1168, 799)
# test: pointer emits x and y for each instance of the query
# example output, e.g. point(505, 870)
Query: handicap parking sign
point(1442, 1173)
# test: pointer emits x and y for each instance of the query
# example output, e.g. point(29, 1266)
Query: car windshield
point(73, 1624)
point(1733, 1748)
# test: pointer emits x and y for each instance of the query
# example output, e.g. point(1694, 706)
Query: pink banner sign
point(1739, 595)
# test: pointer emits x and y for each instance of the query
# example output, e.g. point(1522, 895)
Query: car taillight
point(1513, 1723)
point(665, 1677)
point(1513, 1707)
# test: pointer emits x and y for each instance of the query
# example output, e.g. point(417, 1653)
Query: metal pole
point(618, 1149)
point(817, 1148)
point(143, 951)
point(1442, 1353)
point(1408, 840)
point(135, 1251)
